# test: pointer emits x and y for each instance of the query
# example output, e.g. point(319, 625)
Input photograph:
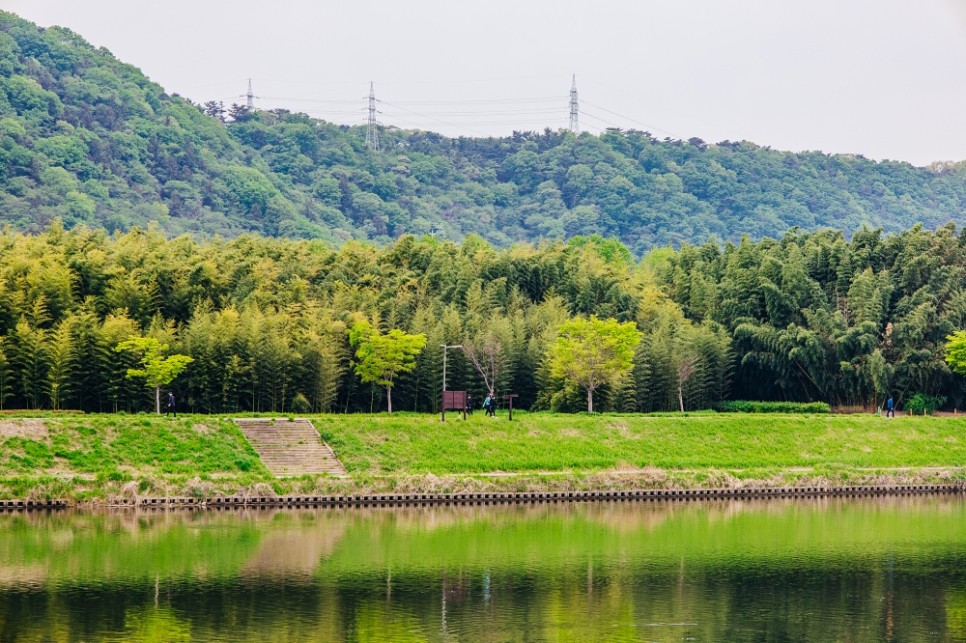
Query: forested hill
point(90, 140)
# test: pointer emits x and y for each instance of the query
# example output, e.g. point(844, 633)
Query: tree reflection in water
point(828, 569)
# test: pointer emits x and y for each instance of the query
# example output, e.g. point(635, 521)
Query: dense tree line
point(812, 316)
point(87, 138)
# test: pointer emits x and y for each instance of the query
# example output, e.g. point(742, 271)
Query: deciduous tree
point(590, 352)
point(383, 356)
point(157, 370)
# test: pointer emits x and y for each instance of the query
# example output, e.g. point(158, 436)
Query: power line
point(292, 99)
point(546, 99)
point(429, 116)
point(466, 114)
point(627, 118)
point(481, 112)
point(598, 118)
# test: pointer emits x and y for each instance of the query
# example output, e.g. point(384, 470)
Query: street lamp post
point(443, 405)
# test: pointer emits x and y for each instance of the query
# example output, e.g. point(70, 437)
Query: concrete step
point(290, 448)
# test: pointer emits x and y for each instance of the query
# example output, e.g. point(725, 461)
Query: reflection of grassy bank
point(85, 548)
point(330, 545)
point(402, 574)
point(776, 535)
point(94, 458)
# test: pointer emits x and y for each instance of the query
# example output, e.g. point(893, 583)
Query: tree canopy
point(382, 356)
point(90, 140)
point(808, 317)
point(591, 352)
point(157, 369)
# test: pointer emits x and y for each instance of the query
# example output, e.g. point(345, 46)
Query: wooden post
point(509, 399)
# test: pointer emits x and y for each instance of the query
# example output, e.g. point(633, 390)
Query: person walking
point(488, 406)
point(170, 407)
point(890, 407)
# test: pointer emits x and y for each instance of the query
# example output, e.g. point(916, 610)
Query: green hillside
point(89, 139)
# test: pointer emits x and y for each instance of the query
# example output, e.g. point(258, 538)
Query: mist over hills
point(90, 140)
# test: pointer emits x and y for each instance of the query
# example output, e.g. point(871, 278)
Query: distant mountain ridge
point(90, 140)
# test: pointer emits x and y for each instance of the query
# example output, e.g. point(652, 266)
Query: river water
point(886, 569)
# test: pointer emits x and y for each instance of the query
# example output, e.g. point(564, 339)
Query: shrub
point(300, 404)
point(920, 404)
point(745, 406)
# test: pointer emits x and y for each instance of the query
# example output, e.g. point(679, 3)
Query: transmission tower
point(250, 96)
point(574, 109)
point(372, 128)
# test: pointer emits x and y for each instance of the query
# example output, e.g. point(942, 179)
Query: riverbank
point(115, 459)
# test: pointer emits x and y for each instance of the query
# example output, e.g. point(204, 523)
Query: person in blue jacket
point(488, 405)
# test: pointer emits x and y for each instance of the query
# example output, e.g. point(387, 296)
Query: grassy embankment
point(94, 457)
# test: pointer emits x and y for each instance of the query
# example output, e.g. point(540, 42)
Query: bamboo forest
point(809, 317)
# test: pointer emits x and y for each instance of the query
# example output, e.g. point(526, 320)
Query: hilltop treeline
point(92, 141)
point(809, 317)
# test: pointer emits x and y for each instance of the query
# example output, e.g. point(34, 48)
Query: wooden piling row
point(491, 498)
point(534, 497)
point(21, 505)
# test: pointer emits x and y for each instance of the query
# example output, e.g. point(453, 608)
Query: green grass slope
point(746, 445)
point(99, 458)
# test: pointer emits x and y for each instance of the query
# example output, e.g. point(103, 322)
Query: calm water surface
point(889, 569)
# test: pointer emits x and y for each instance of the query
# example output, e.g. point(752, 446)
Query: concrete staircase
point(290, 448)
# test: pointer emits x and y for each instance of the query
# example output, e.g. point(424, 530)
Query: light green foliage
point(678, 364)
point(956, 351)
point(157, 369)
point(32, 359)
point(383, 356)
point(808, 317)
point(61, 355)
point(591, 352)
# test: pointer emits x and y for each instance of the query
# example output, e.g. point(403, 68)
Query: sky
point(882, 78)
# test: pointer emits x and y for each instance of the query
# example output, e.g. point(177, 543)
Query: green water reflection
point(820, 570)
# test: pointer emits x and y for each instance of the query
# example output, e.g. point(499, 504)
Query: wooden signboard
point(454, 401)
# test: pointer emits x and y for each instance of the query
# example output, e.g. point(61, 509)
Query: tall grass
point(547, 442)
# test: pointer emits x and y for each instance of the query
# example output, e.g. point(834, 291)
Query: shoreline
point(408, 499)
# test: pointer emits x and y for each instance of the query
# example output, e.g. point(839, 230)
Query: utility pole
point(250, 104)
point(372, 128)
point(574, 108)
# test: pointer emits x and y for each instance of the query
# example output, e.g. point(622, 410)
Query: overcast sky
point(881, 78)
